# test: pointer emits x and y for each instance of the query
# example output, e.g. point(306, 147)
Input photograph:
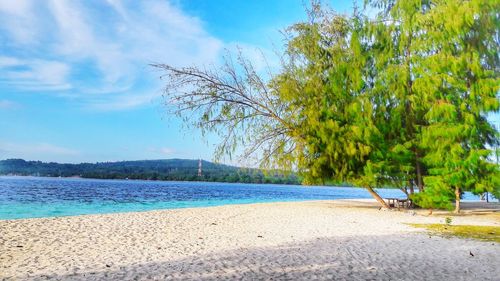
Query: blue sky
point(75, 84)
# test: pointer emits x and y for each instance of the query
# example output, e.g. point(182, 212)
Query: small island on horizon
point(163, 169)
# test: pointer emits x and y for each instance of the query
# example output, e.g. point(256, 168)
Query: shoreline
point(468, 207)
point(361, 200)
point(343, 239)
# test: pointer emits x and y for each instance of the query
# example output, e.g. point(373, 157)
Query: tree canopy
point(396, 93)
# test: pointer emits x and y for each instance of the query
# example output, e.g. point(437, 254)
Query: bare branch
point(232, 101)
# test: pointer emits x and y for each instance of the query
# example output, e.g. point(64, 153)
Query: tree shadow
point(404, 257)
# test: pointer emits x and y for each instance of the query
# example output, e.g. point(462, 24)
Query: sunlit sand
point(344, 239)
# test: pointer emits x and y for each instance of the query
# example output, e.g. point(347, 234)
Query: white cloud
point(101, 49)
point(77, 40)
point(9, 61)
point(38, 151)
point(117, 5)
point(98, 54)
point(123, 101)
point(17, 18)
point(34, 74)
point(18, 7)
point(162, 151)
point(166, 150)
point(7, 104)
point(263, 60)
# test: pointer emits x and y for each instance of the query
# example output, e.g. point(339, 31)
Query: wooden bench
point(399, 203)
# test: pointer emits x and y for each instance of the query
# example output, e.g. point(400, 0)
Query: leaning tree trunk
point(377, 197)
point(457, 200)
point(403, 189)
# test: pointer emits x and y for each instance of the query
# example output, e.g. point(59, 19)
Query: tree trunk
point(410, 185)
point(457, 200)
point(420, 182)
point(404, 190)
point(377, 197)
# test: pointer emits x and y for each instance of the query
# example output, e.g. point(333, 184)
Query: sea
point(35, 197)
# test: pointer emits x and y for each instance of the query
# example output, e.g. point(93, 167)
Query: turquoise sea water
point(31, 197)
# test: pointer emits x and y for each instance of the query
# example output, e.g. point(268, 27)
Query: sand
point(321, 240)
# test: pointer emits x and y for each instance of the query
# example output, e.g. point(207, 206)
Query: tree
point(314, 116)
point(460, 82)
point(324, 81)
point(397, 99)
point(437, 62)
point(396, 39)
point(234, 102)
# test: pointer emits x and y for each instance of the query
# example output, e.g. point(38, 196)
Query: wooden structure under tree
point(399, 203)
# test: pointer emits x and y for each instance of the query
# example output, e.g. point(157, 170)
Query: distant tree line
point(168, 170)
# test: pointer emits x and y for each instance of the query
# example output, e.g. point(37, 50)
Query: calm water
point(29, 197)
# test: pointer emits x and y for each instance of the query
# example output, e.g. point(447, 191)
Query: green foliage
point(478, 232)
point(396, 94)
point(418, 84)
point(448, 220)
point(437, 196)
point(460, 70)
point(324, 84)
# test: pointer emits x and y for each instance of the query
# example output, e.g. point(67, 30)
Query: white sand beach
point(321, 240)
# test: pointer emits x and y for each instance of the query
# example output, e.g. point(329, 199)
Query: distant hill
point(168, 169)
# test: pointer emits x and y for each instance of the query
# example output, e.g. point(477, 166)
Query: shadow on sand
point(404, 257)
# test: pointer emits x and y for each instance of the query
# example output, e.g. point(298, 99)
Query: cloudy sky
point(75, 84)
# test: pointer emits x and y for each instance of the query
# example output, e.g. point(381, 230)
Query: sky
point(75, 80)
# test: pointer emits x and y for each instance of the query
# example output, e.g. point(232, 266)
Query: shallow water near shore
point(32, 197)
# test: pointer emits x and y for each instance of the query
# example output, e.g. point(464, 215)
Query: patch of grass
point(483, 233)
